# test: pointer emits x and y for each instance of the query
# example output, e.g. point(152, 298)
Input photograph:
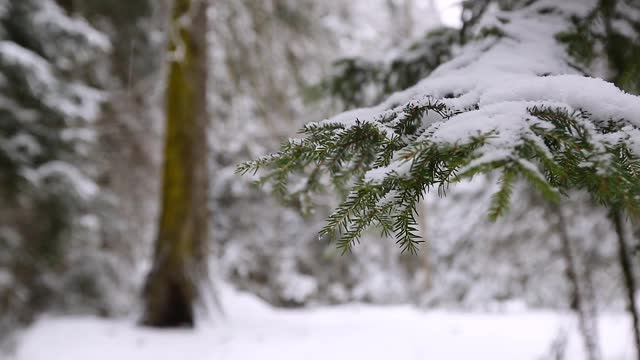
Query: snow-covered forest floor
point(251, 329)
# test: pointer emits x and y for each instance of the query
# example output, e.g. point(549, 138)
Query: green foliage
point(385, 164)
point(386, 167)
point(612, 32)
point(359, 82)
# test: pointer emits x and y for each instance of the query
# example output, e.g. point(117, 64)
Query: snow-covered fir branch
point(511, 101)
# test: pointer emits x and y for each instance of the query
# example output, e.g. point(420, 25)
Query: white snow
point(450, 12)
point(29, 60)
point(493, 82)
point(72, 99)
point(49, 15)
point(399, 168)
point(253, 330)
point(600, 98)
point(84, 187)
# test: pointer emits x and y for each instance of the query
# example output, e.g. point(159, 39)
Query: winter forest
point(319, 179)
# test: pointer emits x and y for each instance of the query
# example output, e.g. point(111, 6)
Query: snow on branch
point(511, 101)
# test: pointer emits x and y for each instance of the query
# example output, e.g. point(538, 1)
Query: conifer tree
point(609, 34)
point(358, 81)
point(47, 106)
point(522, 99)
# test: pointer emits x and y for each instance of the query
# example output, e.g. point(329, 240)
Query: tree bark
point(179, 257)
point(624, 256)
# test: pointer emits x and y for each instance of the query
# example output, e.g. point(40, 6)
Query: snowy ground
point(253, 330)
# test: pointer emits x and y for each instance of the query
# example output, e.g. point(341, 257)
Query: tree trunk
point(628, 276)
point(582, 299)
point(179, 258)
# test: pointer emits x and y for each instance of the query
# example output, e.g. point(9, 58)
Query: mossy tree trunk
point(179, 258)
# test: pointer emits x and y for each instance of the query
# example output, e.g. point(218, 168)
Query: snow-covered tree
point(358, 81)
point(46, 111)
point(525, 97)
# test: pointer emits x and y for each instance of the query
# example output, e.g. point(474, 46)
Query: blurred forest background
point(89, 92)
